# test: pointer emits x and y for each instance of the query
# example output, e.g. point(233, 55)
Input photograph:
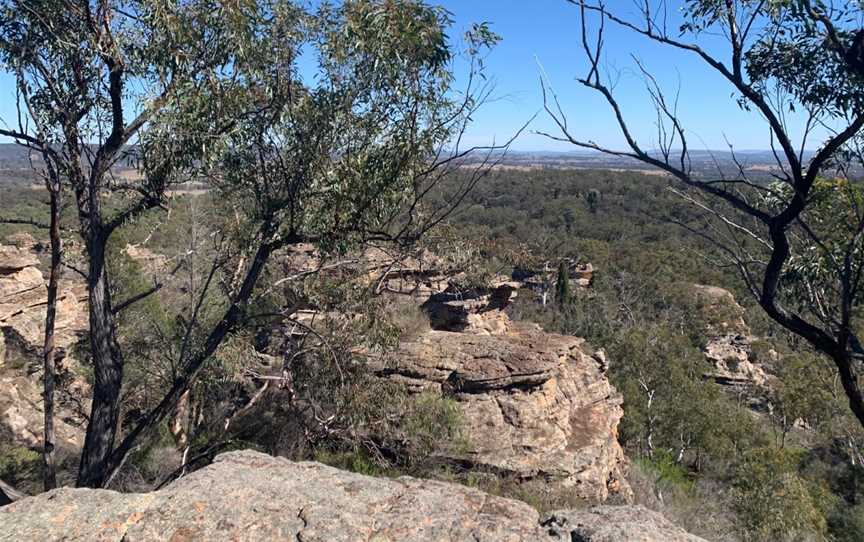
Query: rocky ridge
point(251, 496)
point(533, 405)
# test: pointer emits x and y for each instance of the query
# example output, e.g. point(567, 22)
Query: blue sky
point(547, 31)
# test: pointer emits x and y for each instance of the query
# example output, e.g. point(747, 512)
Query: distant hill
point(15, 162)
point(758, 164)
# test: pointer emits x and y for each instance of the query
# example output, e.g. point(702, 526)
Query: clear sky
point(547, 31)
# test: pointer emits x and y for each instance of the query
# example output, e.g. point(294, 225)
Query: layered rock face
point(534, 404)
point(473, 311)
point(728, 348)
point(252, 496)
point(23, 299)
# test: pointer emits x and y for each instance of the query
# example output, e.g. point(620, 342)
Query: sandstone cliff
point(252, 496)
point(23, 296)
point(23, 299)
point(534, 404)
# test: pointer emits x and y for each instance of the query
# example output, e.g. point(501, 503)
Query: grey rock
point(615, 524)
point(251, 496)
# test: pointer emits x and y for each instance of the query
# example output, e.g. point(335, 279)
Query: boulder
point(251, 496)
point(24, 241)
point(615, 524)
point(14, 259)
point(21, 414)
point(479, 311)
point(534, 405)
point(732, 366)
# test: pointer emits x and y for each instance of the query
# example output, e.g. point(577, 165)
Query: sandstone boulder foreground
point(251, 496)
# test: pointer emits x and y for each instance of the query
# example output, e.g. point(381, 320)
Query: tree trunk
point(849, 381)
point(108, 372)
point(184, 380)
point(49, 474)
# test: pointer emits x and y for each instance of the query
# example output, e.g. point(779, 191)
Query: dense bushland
point(787, 469)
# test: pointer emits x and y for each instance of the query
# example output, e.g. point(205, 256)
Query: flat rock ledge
point(252, 496)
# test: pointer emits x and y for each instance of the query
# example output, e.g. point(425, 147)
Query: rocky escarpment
point(23, 299)
point(533, 404)
point(252, 496)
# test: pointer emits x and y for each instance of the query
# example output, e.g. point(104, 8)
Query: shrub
point(773, 501)
point(20, 466)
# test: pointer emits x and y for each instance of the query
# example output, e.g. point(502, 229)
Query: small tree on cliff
point(198, 87)
point(781, 57)
point(562, 284)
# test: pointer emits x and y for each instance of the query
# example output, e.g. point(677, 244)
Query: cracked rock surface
point(533, 404)
point(252, 496)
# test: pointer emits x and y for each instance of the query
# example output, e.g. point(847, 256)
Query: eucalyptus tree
point(338, 154)
point(780, 59)
point(91, 78)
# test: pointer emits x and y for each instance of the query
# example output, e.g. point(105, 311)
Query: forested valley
point(255, 284)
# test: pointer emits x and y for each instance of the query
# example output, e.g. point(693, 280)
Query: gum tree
point(214, 91)
point(779, 58)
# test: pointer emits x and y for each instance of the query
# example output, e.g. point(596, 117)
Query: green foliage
point(343, 152)
point(354, 461)
point(592, 199)
point(427, 426)
point(410, 319)
point(562, 284)
point(846, 523)
point(667, 470)
point(643, 310)
point(813, 277)
point(19, 464)
point(773, 501)
point(433, 424)
point(803, 392)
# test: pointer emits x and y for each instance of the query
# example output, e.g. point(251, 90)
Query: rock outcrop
point(542, 280)
point(728, 347)
point(23, 300)
point(252, 496)
point(21, 414)
point(479, 311)
point(534, 405)
point(615, 524)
